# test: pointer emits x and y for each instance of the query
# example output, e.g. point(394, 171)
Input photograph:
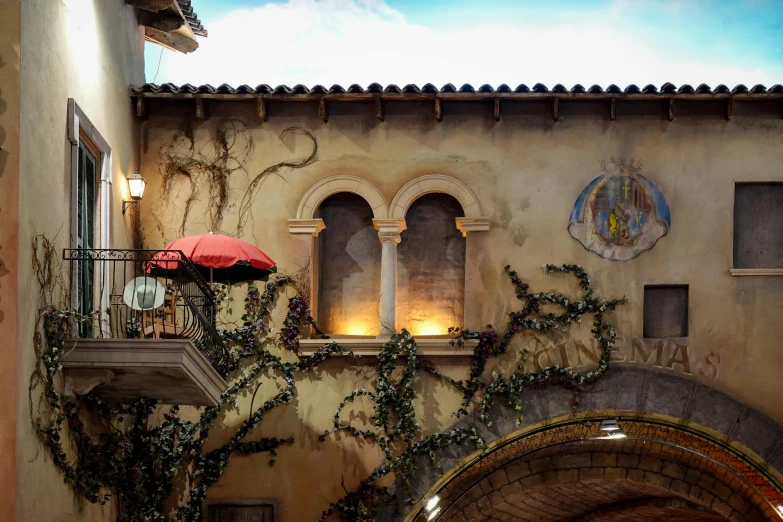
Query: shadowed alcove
point(431, 267)
point(349, 267)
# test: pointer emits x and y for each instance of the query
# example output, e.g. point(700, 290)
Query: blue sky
point(490, 41)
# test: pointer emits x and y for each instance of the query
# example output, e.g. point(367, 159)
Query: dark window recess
point(349, 267)
point(85, 231)
point(249, 513)
point(758, 225)
point(666, 311)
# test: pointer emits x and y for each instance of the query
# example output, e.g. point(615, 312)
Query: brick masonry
point(624, 480)
point(675, 475)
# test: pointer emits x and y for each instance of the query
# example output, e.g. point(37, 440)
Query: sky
point(600, 42)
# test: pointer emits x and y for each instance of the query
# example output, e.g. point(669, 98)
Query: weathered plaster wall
point(10, 23)
point(89, 50)
point(527, 172)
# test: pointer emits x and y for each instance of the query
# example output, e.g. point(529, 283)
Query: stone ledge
point(122, 370)
point(738, 272)
point(371, 346)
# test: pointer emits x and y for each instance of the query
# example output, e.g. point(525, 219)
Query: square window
point(666, 311)
point(758, 225)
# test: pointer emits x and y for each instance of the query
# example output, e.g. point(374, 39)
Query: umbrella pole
point(211, 280)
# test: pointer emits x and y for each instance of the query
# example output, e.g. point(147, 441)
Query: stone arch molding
point(306, 222)
point(624, 391)
point(473, 220)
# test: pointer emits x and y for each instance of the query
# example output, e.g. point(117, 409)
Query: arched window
point(431, 267)
point(349, 267)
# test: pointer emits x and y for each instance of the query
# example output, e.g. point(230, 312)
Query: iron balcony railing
point(144, 294)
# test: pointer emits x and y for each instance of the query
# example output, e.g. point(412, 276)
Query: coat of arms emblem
point(620, 214)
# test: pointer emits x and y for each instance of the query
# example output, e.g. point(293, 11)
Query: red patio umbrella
point(217, 257)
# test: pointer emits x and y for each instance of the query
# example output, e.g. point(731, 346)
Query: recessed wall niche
point(665, 311)
point(431, 267)
point(349, 267)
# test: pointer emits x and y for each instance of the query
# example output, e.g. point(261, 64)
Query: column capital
point(478, 224)
point(389, 229)
point(306, 226)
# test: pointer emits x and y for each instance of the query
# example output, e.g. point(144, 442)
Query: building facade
point(648, 190)
point(403, 208)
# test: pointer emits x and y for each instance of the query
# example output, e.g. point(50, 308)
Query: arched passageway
point(697, 455)
point(605, 480)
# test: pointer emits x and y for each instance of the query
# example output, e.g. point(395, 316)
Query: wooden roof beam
point(322, 110)
point(201, 110)
point(261, 109)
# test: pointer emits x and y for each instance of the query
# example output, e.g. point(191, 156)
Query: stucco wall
point(10, 18)
point(526, 171)
point(89, 50)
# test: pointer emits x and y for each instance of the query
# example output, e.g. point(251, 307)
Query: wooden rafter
point(261, 108)
point(201, 111)
point(323, 113)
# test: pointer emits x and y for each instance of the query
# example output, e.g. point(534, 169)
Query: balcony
point(152, 333)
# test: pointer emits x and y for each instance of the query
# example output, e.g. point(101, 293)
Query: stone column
point(475, 232)
point(389, 234)
point(311, 228)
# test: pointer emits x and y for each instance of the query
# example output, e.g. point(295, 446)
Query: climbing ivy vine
point(122, 453)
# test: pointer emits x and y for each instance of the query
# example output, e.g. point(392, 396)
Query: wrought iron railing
point(145, 294)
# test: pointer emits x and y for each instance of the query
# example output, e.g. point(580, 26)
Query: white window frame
point(80, 125)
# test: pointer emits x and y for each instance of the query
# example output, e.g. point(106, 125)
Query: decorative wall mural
point(620, 214)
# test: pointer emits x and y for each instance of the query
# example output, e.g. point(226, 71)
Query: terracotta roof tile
point(466, 89)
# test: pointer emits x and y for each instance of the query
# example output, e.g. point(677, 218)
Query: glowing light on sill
point(432, 515)
point(432, 502)
point(429, 328)
point(358, 328)
point(780, 510)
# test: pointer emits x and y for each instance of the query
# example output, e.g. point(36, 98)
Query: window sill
point(736, 272)
point(371, 347)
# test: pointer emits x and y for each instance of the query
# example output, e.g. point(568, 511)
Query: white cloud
point(364, 41)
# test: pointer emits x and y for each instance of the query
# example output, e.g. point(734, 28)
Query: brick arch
point(342, 183)
point(651, 405)
point(428, 184)
point(598, 480)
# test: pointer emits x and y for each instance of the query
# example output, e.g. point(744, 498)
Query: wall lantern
point(611, 430)
point(431, 507)
point(136, 186)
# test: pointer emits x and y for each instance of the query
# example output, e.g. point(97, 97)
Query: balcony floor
point(122, 370)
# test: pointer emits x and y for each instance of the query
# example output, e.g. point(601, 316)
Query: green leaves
point(126, 455)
